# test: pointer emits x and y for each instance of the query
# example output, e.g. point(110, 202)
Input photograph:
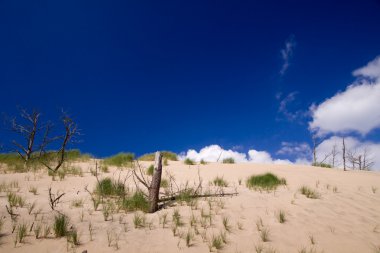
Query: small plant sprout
point(264, 234)
point(259, 224)
point(189, 238)
point(226, 224)
point(33, 189)
point(312, 239)
point(309, 193)
point(335, 189)
point(281, 216)
point(21, 232)
point(139, 220)
point(91, 231)
point(216, 242)
point(176, 218)
point(374, 189)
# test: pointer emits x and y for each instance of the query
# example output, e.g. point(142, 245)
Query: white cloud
point(287, 53)
point(264, 157)
point(214, 153)
point(370, 71)
point(355, 109)
point(352, 144)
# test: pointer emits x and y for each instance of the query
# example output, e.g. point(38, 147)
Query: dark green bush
point(229, 160)
point(266, 181)
point(136, 202)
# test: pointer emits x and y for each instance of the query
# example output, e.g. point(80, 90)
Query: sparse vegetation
point(33, 190)
point(228, 160)
point(120, 160)
point(139, 220)
point(168, 155)
point(323, 165)
point(109, 187)
point(281, 216)
point(150, 170)
point(136, 202)
point(374, 189)
point(188, 161)
point(226, 224)
point(264, 234)
point(21, 232)
point(219, 181)
point(61, 224)
point(266, 181)
point(309, 193)
point(15, 200)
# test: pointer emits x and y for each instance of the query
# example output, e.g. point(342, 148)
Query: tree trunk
point(154, 188)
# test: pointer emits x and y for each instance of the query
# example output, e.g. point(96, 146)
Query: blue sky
point(145, 75)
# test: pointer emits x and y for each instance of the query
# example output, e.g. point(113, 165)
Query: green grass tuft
point(229, 160)
point(61, 224)
point(136, 202)
point(150, 170)
point(266, 181)
point(120, 160)
point(171, 156)
point(188, 161)
point(219, 181)
point(109, 187)
point(309, 193)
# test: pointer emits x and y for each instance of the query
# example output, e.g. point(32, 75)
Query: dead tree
point(153, 187)
point(344, 154)
point(28, 131)
point(334, 155)
point(71, 130)
point(367, 160)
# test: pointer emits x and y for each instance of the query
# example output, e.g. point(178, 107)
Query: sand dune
point(346, 217)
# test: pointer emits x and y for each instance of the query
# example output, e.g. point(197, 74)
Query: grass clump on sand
point(136, 202)
point(188, 161)
point(266, 181)
point(150, 170)
point(109, 187)
point(120, 160)
point(323, 165)
point(229, 160)
point(61, 224)
point(219, 181)
point(168, 155)
point(309, 193)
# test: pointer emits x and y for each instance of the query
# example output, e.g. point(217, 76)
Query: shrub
point(266, 181)
point(171, 156)
point(309, 193)
point(188, 161)
point(120, 160)
point(228, 160)
point(136, 202)
point(61, 225)
point(323, 165)
point(219, 181)
point(281, 216)
point(139, 220)
point(109, 187)
point(203, 162)
point(150, 170)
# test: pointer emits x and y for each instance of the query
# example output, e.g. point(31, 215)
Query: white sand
point(344, 221)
